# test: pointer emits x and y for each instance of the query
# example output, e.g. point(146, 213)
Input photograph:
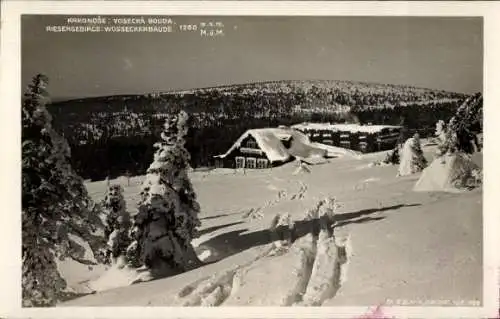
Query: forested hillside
point(113, 135)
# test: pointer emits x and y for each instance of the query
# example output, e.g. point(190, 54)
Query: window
point(240, 162)
point(251, 162)
point(328, 142)
point(252, 144)
point(346, 144)
point(262, 163)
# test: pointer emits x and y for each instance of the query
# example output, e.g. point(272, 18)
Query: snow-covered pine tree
point(117, 222)
point(462, 128)
point(440, 131)
point(392, 156)
point(454, 169)
point(412, 157)
point(168, 211)
point(419, 162)
point(57, 213)
point(448, 142)
point(187, 196)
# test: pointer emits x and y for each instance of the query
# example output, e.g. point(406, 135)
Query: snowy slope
point(398, 243)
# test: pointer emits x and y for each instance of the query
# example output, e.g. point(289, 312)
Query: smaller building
point(267, 147)
point(363, 138)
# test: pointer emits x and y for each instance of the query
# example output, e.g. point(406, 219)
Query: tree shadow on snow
point(363, 212)
point(214, 228)
point(236, 241)
point(359, 221)
point(214, 217)
point(219, 216)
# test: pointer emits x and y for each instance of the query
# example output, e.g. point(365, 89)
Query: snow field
point(304, 250)
point(325, 274)
point(387, 224)
point(211, 292)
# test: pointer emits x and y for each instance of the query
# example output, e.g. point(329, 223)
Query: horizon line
point(220, 86)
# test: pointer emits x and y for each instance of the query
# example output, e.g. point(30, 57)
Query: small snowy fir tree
point(440, 131)
point(419, 161)
point(392, 156)
point(187, 196)
point(168, 211)
point(56, 209)
point(448, 142)
point(117, 222)
point(412, 157)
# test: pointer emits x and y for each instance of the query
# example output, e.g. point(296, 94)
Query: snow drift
point(449, 173)
point(118, 275)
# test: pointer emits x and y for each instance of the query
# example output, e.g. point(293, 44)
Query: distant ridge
point(256, 85)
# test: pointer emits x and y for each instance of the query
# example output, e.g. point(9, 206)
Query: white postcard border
point(10, 161)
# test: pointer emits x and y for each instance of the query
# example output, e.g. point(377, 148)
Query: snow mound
point(78, 275)
point(208, 292)
point(315, 160)
point(87, 256)
point(78, 272)
point(204, 255)
point(449, 173)
point(118, 275)
point(301, 147)
point(262, 283)
point(302, 168)
point(325, 273)
point(335, 151)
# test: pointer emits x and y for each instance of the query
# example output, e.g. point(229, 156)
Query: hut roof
point(270, 140)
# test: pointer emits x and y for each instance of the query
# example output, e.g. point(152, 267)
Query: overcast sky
point(440, 53)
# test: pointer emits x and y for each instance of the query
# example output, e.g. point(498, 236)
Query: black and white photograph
point(252, 161)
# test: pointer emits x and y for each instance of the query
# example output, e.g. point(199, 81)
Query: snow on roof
point(352, 128)
point(268, 140)
point(335, 151)
point(313, 126)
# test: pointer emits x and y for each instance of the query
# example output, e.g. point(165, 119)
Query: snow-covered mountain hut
point(364, 138)
point(268, 147)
